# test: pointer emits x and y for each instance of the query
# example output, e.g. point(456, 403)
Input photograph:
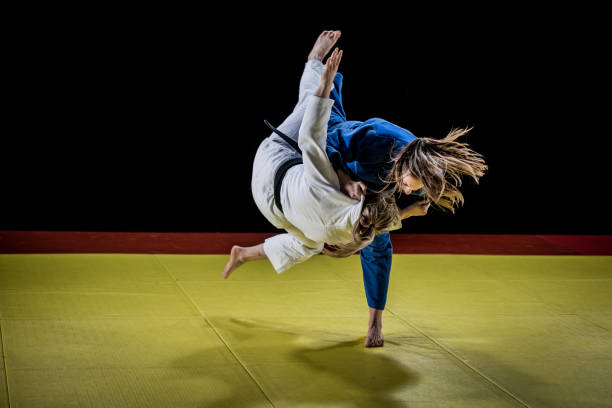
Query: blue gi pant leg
point(376, 265)
point(376, 257)
point(337, 113)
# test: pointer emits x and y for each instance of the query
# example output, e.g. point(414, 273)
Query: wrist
point(343, 177)
point(322, 91)
point(405, 213)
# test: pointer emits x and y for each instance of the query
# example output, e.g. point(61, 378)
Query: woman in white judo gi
point(309, 204)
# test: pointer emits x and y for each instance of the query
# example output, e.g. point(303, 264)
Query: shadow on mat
point(318, 367)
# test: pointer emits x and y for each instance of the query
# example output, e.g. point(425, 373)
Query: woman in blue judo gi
point(377, 155)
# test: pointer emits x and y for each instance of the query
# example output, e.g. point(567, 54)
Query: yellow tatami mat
point(115, 330)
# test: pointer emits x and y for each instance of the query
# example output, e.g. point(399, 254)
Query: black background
point(148, 120)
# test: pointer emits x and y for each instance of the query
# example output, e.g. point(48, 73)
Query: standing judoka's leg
point(376, 264)
point(309, 82)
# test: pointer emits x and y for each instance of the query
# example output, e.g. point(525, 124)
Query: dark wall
point(151, 124)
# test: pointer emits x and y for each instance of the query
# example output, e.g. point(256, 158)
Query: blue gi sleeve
point(336, 158)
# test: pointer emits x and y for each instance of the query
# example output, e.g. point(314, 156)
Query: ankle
point(239, 252)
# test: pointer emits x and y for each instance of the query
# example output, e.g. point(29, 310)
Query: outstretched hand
point(331, 67)
point(329, 72)
point(415, 209)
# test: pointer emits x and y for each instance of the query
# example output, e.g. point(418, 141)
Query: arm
point(415, 209)
point(327, 79)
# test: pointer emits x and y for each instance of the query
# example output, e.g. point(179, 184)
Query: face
point(410, 184)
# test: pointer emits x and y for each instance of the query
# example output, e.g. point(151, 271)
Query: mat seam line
point(580, 316)
point(554, 309)
point(214, 329)
point(8, 394)
point(453, 355)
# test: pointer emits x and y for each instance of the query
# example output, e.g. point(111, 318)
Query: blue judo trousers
point(364, 150)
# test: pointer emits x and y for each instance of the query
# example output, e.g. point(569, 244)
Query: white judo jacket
point(315, 211)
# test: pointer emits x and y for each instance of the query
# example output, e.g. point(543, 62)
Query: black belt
point(282, 170)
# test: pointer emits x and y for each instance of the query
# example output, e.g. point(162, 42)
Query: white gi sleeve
point(312, 141)
point(285, 250)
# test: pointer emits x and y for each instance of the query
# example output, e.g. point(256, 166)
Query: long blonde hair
point(439, 165)
point(379, 214)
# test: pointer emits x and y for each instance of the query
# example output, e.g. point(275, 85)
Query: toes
point(331, 33)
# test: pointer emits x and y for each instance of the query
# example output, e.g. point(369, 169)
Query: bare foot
point(324, 43)
point(234, 261)
point(375, 338)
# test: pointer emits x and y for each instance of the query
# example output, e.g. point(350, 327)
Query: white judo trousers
point(315, 211)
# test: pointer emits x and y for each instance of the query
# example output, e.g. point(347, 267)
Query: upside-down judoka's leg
point(309, 82)
point(337, 114)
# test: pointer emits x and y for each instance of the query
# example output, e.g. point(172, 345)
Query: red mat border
point(19, 242)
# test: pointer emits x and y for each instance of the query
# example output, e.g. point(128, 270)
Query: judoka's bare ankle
point(245, 254)
point(375, 321)
point(241, 255)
